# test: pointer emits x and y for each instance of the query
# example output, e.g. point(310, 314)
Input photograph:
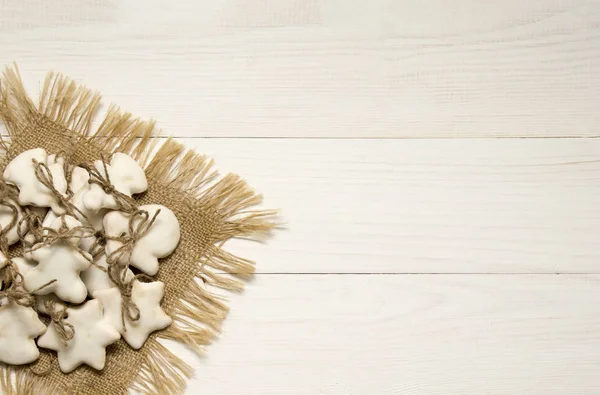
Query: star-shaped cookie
point(91, 337)
point(147, 297)
point(19, 325)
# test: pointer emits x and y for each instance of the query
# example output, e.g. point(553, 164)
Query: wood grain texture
point(422, 206)
point(408, 334)
point(315, 68)
point(344, 113)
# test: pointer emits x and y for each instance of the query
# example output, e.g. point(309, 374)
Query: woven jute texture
point(211, 209)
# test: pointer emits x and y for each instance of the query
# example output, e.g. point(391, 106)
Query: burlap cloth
point(211, 209)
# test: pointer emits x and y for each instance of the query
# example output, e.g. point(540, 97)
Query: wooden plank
point(422, 206)
point(308, 68)
point(407, 334)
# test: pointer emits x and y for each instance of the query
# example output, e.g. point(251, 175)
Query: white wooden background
point(437, 163)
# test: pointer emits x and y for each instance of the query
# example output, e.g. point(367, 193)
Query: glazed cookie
point(147, 297)
point(160, 240)
point(96, 279)
point(90, 338)
point(24, 266)
point(62, 263)
point(125, 175)
point(21, 172)
point(19, 325)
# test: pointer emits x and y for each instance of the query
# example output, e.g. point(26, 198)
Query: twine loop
point(124, 202)
point(44, 176)
point(64, 329)
point(117, 270)
point(51, 236)
point(5, 194)
point(118, 275)
point(34, 225)
point(136, 232)
point(17, 293)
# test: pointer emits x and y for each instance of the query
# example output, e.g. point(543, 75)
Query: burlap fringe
point(19, 381)
point(162, 373)
point(198, 314)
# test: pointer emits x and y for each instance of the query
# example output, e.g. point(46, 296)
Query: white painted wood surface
point(408, 334)
point(423, 206)
point(357, 118)
point(335, 68)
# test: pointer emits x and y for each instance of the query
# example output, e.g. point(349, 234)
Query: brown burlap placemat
point(211, 209)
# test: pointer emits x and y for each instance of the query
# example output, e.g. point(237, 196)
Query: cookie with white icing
point(19, 325)
point(62, 263)
point(79, 179)
point(80, 185)
point(160, 240)
point(21, 172)
point(91, 336)
point(147, 298)
point(125, 175)
point(25, 265)
point(96, 279)
point(94, 218)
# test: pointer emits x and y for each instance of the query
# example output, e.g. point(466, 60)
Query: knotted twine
point(124, 202)
point(30, 224)
point(118, 270)
point(44, 176)
point(65, 329)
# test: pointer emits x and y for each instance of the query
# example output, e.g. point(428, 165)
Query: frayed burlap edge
point(211, 208)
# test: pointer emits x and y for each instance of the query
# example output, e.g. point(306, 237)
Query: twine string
point(137, 229)
point(97, 247)
point(16, 293)
point(52, 236)
point(44, 176)
point(32, 223)
point(124, 202)
point(140, 223)
point(129, 310)
point(64, 329)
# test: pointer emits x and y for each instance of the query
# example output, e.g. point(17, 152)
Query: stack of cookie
point(77, 249)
